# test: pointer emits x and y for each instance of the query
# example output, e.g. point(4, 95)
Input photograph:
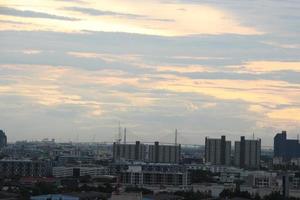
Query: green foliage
point(138, 189)
point(201, 176)
point(230, 194)
point(190, 195)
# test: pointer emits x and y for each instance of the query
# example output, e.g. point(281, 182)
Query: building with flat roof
point(286, 148)
point(153, 153)
point(151, 174)
point(217, 151)
point(22, 168)
point(247, 153)
point(3, 139)
point(79, 171)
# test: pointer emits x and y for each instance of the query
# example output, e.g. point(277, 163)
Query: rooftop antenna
point(298, 138)
point(253, 136)
point(93, 138)
point(124, 136)
point(119, 135)
point(176, 133)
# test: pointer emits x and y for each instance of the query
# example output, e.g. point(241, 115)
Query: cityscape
point(149, 100)
point(134, 170)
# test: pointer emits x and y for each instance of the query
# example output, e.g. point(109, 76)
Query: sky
point(73, 69)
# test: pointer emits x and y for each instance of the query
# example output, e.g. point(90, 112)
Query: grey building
point(147, 153)
point(218, 151)
point(3, 139)
point(247, 153)
point(22, 168)
point(79, 171)
point(132, 152)
point(155, 174)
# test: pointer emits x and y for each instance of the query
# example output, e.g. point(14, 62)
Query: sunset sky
point(72, 69)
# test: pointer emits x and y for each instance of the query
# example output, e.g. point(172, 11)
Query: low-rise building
point(78, 171)
point(10, 168)
point(152, 174)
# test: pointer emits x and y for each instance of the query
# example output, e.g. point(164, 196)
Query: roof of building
point(126, 196)
point(80, 195)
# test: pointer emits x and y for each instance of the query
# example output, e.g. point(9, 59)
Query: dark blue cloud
point(32, 14)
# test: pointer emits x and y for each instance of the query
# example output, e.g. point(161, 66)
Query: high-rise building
point(247, 153)
point(286, 148)
point(217, 151)
point(147, 153)
point(133, 152)
point(3, 139)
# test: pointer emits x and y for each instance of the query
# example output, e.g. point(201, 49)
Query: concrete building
point(151, 174)
point(3, 139)
point(147, 153)
point(217, 151)
point(79, 171)
point(10, 168)
point(286, 148)
point(134, 152)
point(261, 179)
point(247, 153)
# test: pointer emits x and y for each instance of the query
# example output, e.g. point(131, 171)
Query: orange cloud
point(269, 66)
point(185, 69)
point(288, 114)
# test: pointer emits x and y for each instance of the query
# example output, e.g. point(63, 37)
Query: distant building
point(79, 171)
point(151, 174)
point(147, 153)
point(3, 139)
point(247, 153)
point(22, 168)
point(217, 151)
point(286, 148)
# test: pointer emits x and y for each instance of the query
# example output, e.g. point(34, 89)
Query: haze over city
point(72, 70)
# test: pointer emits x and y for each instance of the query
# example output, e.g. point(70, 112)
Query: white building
point(79, 171)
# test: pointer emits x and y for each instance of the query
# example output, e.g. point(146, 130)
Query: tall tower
point(3, 139)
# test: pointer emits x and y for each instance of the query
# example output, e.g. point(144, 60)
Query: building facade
point(155, 153)
point(247, 153)
point(3, 139)
point(217, 151)
point(93, 171)
point(286, 148)
point(151, 174)
point(21, 168)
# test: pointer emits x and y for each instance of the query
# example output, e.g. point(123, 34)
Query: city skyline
point(73, 69)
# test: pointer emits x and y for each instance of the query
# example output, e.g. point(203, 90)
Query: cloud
point(148, 18)
point(282, 45)
point(185, 69)
point(270, 66)
point(252, 91)
point(287, 114)
point(73, 1)
point(31, 51)
point(44, 89)
point(32, 14)
point(96, 12)
point(12, 22)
